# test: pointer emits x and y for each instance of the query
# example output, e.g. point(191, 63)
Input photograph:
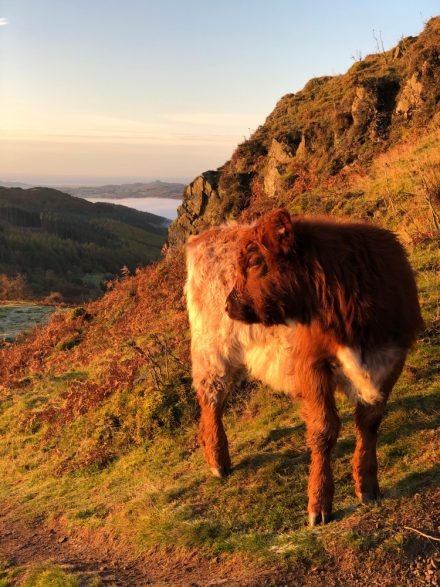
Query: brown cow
point(311, 305)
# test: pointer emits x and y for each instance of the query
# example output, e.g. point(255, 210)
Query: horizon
point(86, 181)
point(140, 92)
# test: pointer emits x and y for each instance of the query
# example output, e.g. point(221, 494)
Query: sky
point(98, 90)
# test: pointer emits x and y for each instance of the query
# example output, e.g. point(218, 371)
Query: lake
point(162, 206)
point(17, 317)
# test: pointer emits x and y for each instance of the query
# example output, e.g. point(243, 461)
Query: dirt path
point(89, 554)
point(25, 545)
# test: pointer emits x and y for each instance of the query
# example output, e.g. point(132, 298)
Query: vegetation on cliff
point(316, 140)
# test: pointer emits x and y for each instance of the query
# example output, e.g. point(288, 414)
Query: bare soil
point(90, 554)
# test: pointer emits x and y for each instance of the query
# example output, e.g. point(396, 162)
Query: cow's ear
point(276, 231)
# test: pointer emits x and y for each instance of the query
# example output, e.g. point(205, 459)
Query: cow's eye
point(255, 261)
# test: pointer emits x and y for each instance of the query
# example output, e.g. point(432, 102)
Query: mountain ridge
point(152, 189)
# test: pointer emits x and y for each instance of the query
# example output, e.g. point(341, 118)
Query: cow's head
point(262, 289)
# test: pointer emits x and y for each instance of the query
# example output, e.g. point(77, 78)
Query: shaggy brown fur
point(312, 305)
point(353, 279)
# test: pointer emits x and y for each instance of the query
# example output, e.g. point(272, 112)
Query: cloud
point(3, 21)
point(102, 138)
point(210, 118)
point(28, 122)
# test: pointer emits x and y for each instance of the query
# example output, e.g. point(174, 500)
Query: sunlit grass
point(160, 495)
point(128, 462)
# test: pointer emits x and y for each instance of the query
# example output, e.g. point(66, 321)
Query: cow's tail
point(363, 389)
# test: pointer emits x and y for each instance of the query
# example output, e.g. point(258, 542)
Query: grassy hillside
point(52, 242)
point(98, 429)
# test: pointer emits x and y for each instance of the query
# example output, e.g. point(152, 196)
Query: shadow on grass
point(406, 430)
point(421, 402)
point(415, 481)
point(281, 454)
point(342, 513)
point(179, 493)
point(427, 406)
point(283, 460)
point(280, 433)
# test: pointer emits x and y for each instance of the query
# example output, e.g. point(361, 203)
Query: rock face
point(281, 153)
point(212, 198)
point(410, 96)
point(319, 132)
point(199, 198)
point(364, 106)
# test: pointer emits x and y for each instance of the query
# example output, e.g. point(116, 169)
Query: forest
point(53, 244)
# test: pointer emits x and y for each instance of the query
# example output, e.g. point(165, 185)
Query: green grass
point(42, 575)
point(50, 576)
point(154, 491)
point(8, 573)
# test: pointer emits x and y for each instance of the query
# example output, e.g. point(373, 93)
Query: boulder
point(410, 96)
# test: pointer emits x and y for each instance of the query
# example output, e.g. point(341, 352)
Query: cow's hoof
point(316, 519)
point(369, 496)
point(220, 472)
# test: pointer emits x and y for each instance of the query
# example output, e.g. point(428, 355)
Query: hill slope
point(322, 136)
point(56, 242)
point(98, 420)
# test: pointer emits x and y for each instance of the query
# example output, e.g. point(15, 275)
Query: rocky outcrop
point(200, 198)
point(281, 152)
point(212, 198)
point(319, 132)
point(363, 108)
point(411, 96)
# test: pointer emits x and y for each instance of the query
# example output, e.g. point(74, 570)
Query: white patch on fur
point(365, 379)
point(353, 368)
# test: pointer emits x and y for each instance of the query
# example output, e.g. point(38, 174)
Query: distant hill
point(55, 242)
point(154, 189)
point(15, 184)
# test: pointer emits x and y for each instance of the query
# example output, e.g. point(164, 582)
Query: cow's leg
point(367, 421)
point(322, 420)
point(211, 394)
